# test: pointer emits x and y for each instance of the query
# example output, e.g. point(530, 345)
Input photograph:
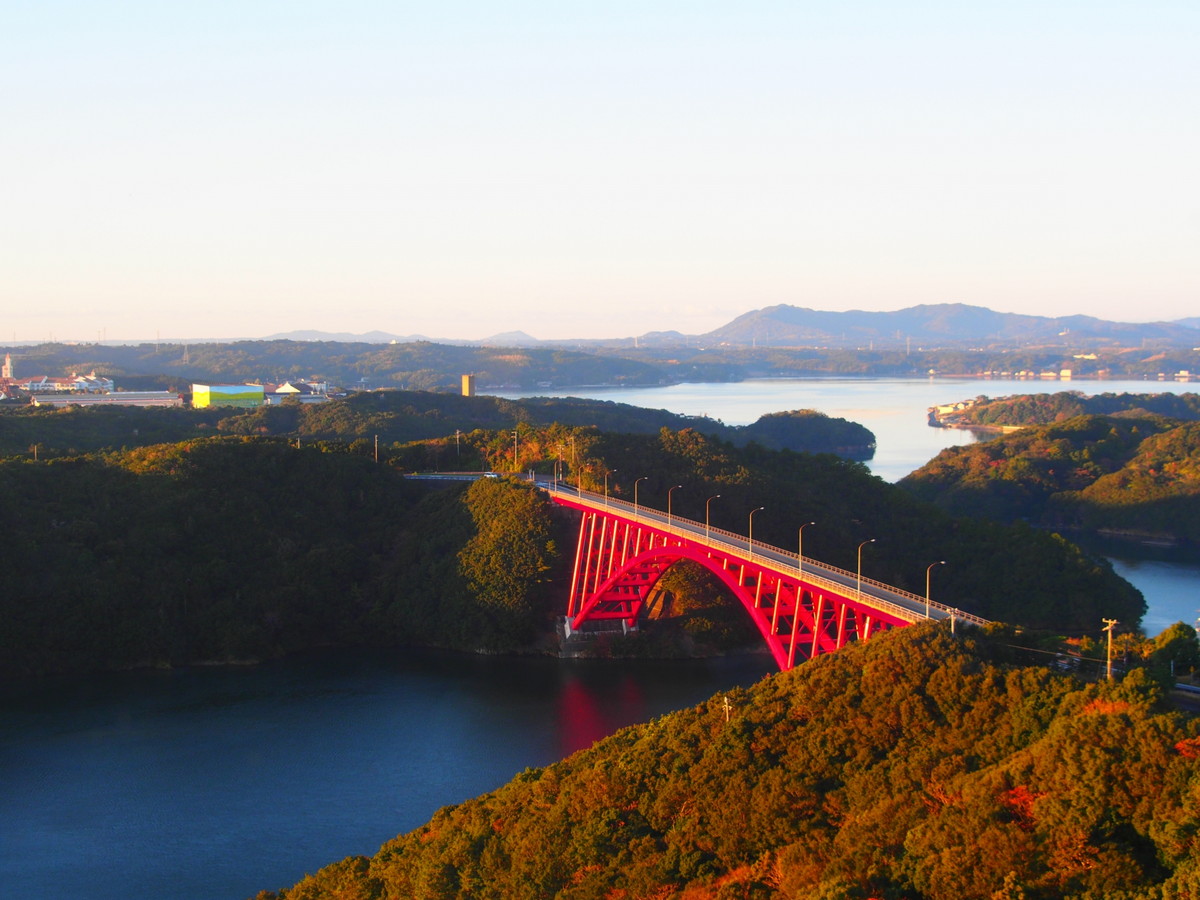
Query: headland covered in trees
point(1023, 410)
point(401, 417)
point(1112, 464)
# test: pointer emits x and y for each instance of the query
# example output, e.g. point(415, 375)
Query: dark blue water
point(217, 783)
point(1171, 589)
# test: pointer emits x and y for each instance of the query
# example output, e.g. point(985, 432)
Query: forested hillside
point(246, 547)
point(416, 365)
point(1157, 492)
point(1096, 473)
point(236, 549)
point(917, 765)
point(1046, 409)
point(396, 417)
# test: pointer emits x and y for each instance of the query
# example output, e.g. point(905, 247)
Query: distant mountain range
point(929, 326)
point(935, 325)
point(506, 339)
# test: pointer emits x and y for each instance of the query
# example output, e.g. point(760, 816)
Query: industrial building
point(240, 395)
point(117, 398)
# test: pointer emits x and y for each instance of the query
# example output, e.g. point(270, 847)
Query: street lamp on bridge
point(858, 579)
point(800, 549)
point(607, 472)
point(928, 570)
point(750, 531)
point(635, 485)
point(669, 492)
point(706, 502)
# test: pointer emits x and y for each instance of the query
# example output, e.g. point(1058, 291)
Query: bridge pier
point(575, 642)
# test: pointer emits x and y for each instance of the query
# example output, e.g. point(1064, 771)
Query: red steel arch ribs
point(619, 560)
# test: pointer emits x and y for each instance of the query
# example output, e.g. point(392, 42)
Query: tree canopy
point(243, 548)
point(397, 417)
point(1137, 475)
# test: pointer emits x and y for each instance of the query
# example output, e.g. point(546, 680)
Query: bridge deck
point(903, 604)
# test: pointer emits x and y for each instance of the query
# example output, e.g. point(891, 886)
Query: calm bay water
point(895, 409)
point(212, 784)
point(218, 783)
point(1171, 589)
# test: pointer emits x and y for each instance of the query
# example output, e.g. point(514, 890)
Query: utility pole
point(1109, 625)
point(377, 449)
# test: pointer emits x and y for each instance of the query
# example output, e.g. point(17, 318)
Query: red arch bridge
point(802, 607)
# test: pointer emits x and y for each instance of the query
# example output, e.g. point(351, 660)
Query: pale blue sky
point(568, 169)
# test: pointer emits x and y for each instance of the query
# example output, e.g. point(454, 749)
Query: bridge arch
point(619, 560)
point(645, 569)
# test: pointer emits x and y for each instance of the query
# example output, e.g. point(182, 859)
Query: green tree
point(507, 561)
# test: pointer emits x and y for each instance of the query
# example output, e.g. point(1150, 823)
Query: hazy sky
point(458, 169)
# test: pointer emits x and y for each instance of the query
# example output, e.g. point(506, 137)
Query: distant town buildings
point(97, 390)
point(78, 390)
point(11, 385)
point(304, 391)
